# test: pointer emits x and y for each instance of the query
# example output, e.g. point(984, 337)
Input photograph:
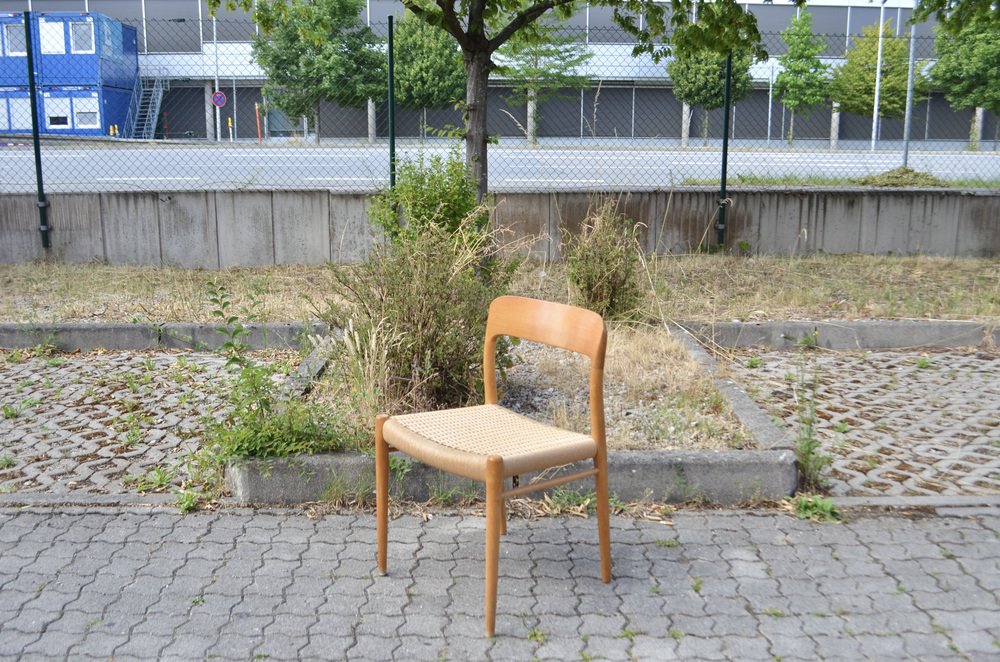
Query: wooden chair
point(490, 443)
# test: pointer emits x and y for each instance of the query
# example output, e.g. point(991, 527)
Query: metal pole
point(723, 202)
point(908, 117)
point(392, 111)
point(215, 47)
point(878, 74)
point(43, 205)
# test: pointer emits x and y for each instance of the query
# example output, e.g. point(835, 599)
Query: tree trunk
point(835, 125)
point(477, 72)
point(791, 127)
point(532, 120)
point(704, 127)
point(976, 129)
point(685, 124)
point(316, 123)
point(371, 121)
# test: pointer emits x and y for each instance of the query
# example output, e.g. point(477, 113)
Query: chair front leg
point(494, 524)
point(603, 514)
point(381, 492)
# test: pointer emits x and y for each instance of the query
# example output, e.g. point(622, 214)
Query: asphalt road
point(512, 168)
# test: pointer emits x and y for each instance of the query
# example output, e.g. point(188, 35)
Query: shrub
point(414, 312)
point(602, 263)
point(415, 315)
point(429, 193)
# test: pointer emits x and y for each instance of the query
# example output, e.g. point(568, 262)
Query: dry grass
point(49, 292)
point(688, 287)
point(715, 287)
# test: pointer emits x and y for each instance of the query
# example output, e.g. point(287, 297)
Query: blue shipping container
point(87, 72)
point(70, 48)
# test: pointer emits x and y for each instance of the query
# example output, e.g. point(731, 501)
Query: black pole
point(723, 202)
point(43, 205)
point(392, 112)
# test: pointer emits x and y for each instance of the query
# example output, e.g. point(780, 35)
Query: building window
point(86, 120)
point(52, 37)
point(85, 112)
point(57, 112)
point(14, 39)
point(81, 37)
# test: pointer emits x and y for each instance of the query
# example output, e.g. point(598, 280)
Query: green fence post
point(723, 201)
point(43, 205)
point(392, 112)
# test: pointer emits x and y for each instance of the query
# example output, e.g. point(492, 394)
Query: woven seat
point(460, 440)
point(489, 443)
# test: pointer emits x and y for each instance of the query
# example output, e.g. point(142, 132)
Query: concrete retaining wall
point(219, 229)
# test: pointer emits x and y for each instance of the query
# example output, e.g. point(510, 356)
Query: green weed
point(816, 508)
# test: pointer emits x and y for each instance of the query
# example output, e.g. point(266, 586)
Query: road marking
point(148, 179)
point(554, 181)
point(340, 179)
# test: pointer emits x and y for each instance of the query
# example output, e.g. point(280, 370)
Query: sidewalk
point(147, 583)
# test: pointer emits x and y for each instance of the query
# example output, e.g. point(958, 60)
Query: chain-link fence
point(170, 104)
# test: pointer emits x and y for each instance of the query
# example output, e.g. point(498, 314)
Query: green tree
point(967, 68)
point(853, 83)
point(953, 15)
point(430, 73)
point(542, 69)
point(315, 51)
point(699, 79)
point(481, 27)
point(803, 80)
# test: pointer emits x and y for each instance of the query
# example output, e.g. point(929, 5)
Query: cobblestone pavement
point(242, 585)
point(83, 422)
point(895, 423)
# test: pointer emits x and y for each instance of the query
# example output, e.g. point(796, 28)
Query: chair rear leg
point(381, 492)
point(494, 524)
point(603, 515)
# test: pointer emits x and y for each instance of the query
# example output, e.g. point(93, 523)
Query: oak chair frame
point(575, 329)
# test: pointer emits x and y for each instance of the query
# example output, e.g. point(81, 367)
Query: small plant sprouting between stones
point(260, 422)
point(816, 508)
point(811, 461)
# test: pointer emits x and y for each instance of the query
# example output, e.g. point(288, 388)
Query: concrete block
point(182, 335)
point(933, 224)
point(131, 228)
point(188, 235)
point(245, 227)
point(351, 233)
point(301, 227)
point(526, 215)
point(79, 336)
point(845, 335)
point(308, 478)
point(892, 223)
point(684, 217)
point(20, 240)
point(978, 227)
point(742, 221)
point(721, 478)
point(77, 235)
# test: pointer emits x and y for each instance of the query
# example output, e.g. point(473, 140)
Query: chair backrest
point(575, 329)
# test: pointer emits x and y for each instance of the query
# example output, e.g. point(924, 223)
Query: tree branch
point(522, 19)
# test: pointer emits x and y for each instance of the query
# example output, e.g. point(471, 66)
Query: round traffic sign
point(219, 99)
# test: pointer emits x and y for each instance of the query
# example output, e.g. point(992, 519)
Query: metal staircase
point(147, 109)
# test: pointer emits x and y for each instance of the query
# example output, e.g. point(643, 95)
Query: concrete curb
point(727, 478)
point(172, 335)
point(848, 335)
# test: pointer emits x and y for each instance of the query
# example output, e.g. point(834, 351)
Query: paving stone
point(884, 421)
